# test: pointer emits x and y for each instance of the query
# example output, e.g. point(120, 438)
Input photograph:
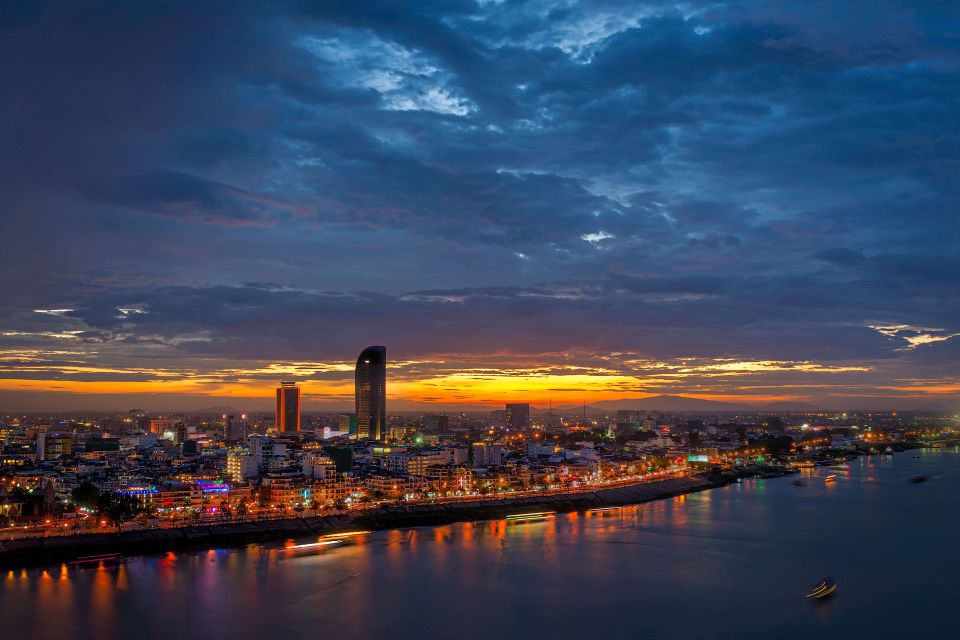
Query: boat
point(604, 509)
point(830, 478)
point(311, 545)
point(919, 479)
point(346, 535)
point(106, 558)
point(826, 588)
point(529, 517)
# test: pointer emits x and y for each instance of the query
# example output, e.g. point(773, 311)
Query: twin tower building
point(370, 397)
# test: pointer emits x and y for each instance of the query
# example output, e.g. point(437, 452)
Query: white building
point(486, 454)
point(318, 466)
point(242, 466)
point(537, 449)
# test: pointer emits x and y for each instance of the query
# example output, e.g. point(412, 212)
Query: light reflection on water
point(733, 562)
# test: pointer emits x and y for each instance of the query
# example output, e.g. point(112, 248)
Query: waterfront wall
point(33, 551)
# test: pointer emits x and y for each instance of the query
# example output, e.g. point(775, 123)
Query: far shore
point(25, 552)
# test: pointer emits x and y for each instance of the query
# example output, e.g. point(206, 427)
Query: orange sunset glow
point(435, 381)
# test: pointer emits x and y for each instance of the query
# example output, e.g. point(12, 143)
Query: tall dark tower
point(288, 407)
point(371, 393)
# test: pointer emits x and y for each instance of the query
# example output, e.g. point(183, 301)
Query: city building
point(414, 462)
point(242, 466)
point(347, 423)
point(161, 426)
point(316, 465)
point(288, 407)
point(518, 416)
point(51, 446)
point(233, 429)
point(486, 454)
point(371, 393)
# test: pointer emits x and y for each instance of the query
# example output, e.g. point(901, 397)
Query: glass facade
point(371, 393)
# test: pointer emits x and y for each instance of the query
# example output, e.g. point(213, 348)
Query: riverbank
point(37, 551)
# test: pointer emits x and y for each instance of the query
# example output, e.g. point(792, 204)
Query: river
point(733, 562)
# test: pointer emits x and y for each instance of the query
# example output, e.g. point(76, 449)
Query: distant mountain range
point(669, 403)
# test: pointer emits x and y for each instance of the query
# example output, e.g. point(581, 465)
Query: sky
point(548, 201)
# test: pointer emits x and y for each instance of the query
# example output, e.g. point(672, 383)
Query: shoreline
point(27, 552)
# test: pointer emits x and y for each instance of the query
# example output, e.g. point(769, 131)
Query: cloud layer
point(199, 197)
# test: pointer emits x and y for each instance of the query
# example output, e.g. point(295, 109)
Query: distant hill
point(671, 403)
point(666, 403)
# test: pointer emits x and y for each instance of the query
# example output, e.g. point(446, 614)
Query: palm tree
point(241, 509)
point(314, 505)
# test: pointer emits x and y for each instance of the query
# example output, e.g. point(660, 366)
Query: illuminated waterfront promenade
point(30, 549)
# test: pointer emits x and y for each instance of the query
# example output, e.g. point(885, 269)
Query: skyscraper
point(518, 416)
point(288, 407)
point(371, 393)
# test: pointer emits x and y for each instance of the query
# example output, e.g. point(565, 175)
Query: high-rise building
point(41, 454)
point(518, 416)
point(487, 454)
point(347, 423)
point(242, 466)
point(288, 407)
point(371, 393)
point(161, 426)
point(51, 446)
point(233, 429)
point(180, 433)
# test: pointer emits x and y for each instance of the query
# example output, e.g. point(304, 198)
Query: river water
point(728, 563)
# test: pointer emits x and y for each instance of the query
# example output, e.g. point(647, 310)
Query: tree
point(185, 505)
point(314, 506)
point(339, 504)
point(117, 508)
point(86, 495)
point(242, 509)
point(775, 446)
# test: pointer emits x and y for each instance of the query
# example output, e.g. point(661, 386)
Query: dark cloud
point(698, 179)
point(840, 256)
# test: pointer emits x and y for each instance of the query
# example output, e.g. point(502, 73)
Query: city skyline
point(744, 204)
point(479, 319)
